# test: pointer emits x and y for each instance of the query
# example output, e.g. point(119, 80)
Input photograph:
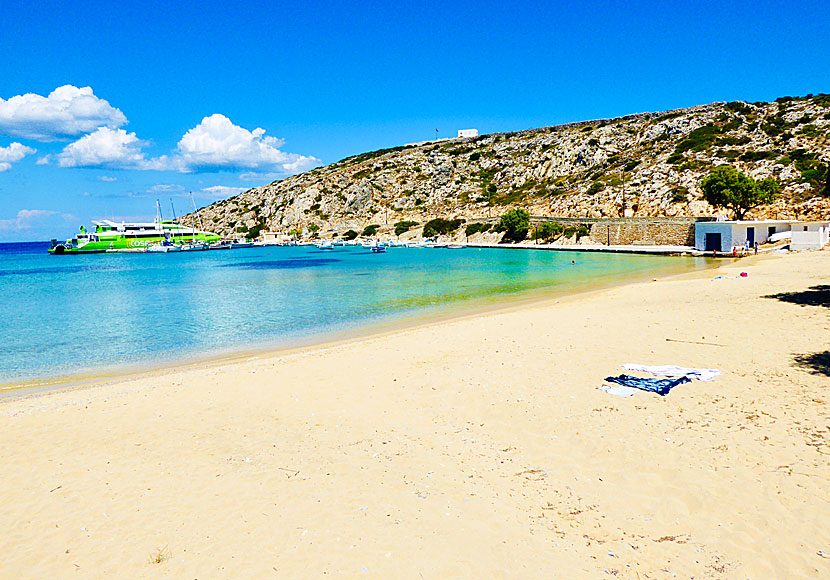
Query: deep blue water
point(64, 315)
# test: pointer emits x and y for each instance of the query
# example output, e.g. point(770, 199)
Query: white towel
point(675, 371)
point(618, 390)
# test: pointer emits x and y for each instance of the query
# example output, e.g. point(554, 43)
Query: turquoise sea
point(64, 316)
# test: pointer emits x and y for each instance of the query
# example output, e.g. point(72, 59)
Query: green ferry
point(110, 236)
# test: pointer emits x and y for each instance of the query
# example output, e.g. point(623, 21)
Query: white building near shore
point(468, 132)
point(724, 236)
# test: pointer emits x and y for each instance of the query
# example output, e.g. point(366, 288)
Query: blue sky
point(107, 106)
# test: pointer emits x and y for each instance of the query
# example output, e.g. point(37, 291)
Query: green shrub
point(631, 164)
point(370, 230)
point(548, 231)
point(810, 130)
point(350, 235)
point(675, 158)
point(313, 228)
point(729, 140)
point(477, 228)
point(700, 139)
point(728, 154)
point(441, 226)
point(595, 187)
point(475, 156)
point(515, 224)
point(679, 194)
point(738, 107)
point(757, 155)
point(403, 227)
point(822, 100)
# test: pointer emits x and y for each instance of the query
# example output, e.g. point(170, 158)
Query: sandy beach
point(478, 447)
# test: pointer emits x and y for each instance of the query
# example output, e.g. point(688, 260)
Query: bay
point(69, 315)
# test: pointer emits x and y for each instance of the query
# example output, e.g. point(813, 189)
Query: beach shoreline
point(425, 316)
point(477, 446)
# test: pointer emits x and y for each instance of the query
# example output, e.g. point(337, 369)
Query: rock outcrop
point(643, 165)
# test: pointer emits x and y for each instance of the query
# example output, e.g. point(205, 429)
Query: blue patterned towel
point(659, 386)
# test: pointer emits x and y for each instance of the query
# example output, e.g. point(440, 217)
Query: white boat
point(325, 245)
point(164, 247)
point(455, 246)
point(194, 247)
point(378, 249)
point(241, 243)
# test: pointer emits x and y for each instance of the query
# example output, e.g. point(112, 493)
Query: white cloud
point(216, 142)
point(167, 188)
point(114, 148)
point(24, 219)
point(107, 178)
point(223, 191)
point(68, 111)
point(12, 153)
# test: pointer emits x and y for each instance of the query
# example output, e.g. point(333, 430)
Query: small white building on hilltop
point(723, 236)
point(468, 132)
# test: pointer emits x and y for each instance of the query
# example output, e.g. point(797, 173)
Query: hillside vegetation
point(643, 165)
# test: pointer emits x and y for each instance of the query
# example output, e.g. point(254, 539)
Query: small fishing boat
point(378, 249)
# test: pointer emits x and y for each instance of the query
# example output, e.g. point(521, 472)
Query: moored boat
point(109, 235)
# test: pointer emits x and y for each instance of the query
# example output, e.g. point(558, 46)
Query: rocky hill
point(645, 165)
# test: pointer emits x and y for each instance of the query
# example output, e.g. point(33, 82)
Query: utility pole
point(622, 214)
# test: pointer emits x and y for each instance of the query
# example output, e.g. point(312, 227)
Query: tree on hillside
point(515, 225)
point(731, 189)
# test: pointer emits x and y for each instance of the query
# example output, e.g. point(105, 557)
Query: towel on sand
point(659, 386)
point(618, 390)
point(674, 371)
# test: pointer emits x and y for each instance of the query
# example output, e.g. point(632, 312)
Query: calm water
point(64, 315)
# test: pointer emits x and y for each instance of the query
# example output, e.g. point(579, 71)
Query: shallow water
point(65, 315)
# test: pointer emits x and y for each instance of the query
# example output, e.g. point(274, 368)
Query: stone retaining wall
point(647, 232)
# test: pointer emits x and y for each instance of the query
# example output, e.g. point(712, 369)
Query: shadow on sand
point(817, 363)
point(813, 296)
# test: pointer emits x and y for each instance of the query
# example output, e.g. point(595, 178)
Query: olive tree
point(731, 189)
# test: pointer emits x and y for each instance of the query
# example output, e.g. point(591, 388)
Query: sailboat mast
point(201, 227)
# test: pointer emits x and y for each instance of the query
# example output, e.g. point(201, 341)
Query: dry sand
point(474, 448)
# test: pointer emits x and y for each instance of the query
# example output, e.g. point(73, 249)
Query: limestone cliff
point(640, 165)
